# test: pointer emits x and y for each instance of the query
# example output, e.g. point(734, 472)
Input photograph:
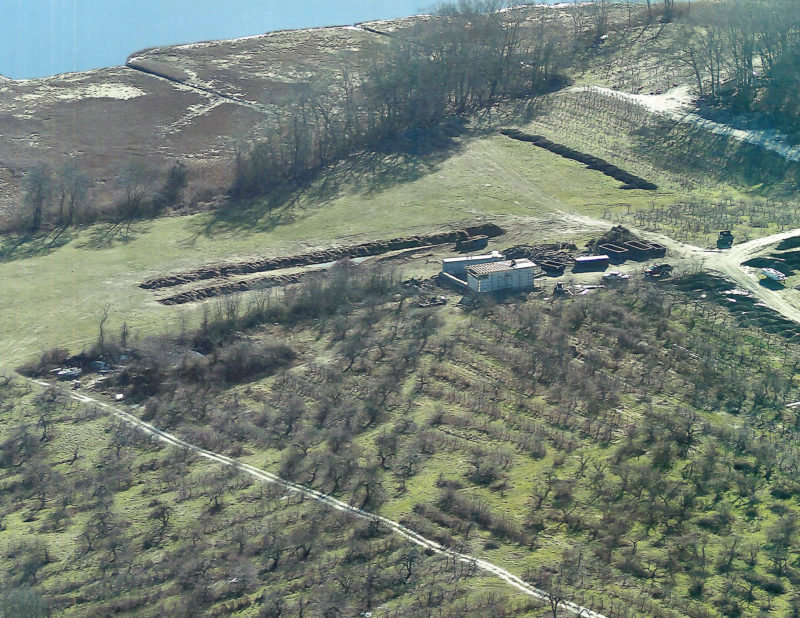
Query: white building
point(502, 275)
point(457, 266)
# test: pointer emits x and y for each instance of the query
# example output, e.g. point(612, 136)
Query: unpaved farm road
point(329, 501)
point(727, 262)
point(676, 104)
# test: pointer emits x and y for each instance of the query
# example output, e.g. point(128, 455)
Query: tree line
point(747, 52)
point(466, 59)
point(60, 196)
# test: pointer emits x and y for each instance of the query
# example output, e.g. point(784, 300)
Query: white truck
point(773, 274)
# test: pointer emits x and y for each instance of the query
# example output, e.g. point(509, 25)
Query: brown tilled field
point(269, 70)
point(194, 102)
point(108, 117)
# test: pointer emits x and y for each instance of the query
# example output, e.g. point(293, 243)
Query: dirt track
point(727, 262)
point(676, 105)
point(329, 501)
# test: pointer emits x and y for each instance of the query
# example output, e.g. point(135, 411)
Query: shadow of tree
point(20, 247)
point(107, 235)
point(401, 159)
point(771, 284)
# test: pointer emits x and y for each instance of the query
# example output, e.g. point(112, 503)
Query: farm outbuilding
point(504, 275)
point(591, 262)
point(457, 266)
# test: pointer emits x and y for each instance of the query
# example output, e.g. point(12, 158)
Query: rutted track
point(729, 264)
point(377, 247)
point(676, 105)
point(143, 67)
point(328, 501)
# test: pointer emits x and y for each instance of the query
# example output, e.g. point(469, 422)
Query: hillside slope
point(190, 102)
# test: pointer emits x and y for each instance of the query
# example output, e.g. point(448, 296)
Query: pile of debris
point(553, 251)
point(551, 257)
point(617, 235)
point(433, 301)
point(418, 283)
point(630, 181)
point(323, 256)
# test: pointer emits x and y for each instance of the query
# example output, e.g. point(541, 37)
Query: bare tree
point(73, 189)
point(38, 186)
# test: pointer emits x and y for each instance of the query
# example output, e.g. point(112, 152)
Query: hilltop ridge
point(195, 102)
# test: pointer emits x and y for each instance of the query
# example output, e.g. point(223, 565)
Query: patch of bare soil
point(630, 181)
point(334, 254)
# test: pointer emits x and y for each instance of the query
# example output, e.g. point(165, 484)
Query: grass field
point(57, 298)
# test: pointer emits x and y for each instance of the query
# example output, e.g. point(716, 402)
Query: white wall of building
point(515, 278)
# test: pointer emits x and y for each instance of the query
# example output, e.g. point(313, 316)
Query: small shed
point(457, 266)
point(504, 275)
point(591, 262)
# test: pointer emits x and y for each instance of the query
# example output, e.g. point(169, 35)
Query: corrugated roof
point(494, 255)
point(498, 267)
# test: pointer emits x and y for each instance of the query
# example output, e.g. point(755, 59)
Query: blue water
point(45, 37)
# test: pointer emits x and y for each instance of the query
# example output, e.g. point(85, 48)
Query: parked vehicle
point(773, 274)
point(614, 276)
point(725, 239)
point(658, 271)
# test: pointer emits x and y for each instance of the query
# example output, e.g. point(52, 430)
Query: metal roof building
point(504, 275)
point(591, 262)
point(458, 265)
